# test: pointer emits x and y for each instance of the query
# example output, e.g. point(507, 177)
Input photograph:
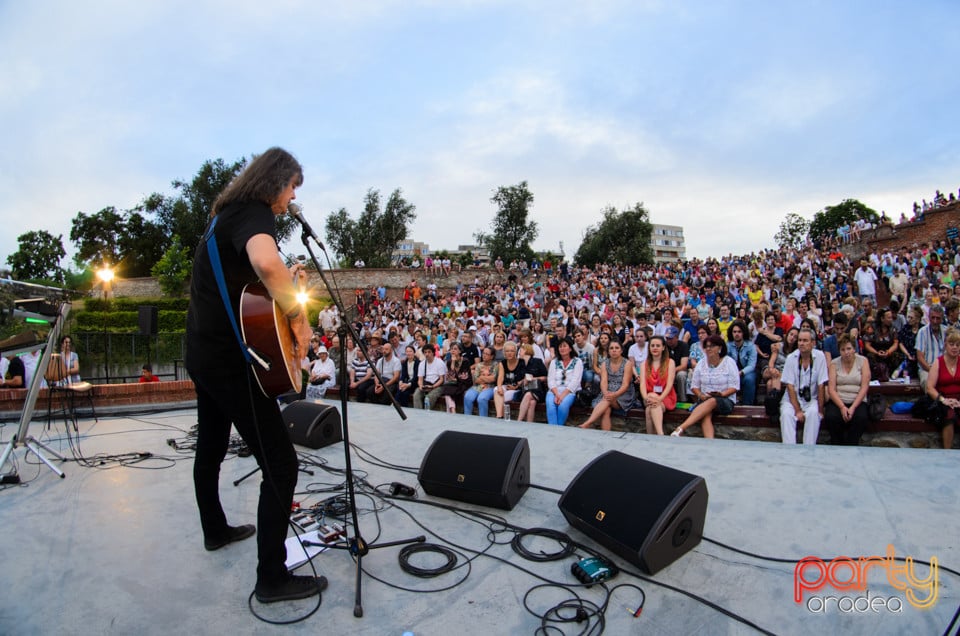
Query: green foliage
point(511, 233)
point(38, 256)
point(132, 304)
point(128, 321)
point(142, 244)
point(465, 259)
point(173, 268)
point(126, 241)
point(793, 231)
point(826, 221)
point(373, 236)
point(621, 237)
point(186, 215)
point(79, 281)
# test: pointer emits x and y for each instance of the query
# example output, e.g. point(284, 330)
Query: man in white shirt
point(866, 280)
point(804, 380)
point(430, 381)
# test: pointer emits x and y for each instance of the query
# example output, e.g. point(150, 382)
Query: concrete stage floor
point(119, 551)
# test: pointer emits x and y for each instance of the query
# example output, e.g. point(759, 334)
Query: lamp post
point(105, 274)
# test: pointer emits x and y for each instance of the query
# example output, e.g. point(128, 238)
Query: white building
point(667, 244)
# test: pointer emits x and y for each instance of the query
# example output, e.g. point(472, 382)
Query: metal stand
point(237, 482)
point(355, 544)
point(30, 402)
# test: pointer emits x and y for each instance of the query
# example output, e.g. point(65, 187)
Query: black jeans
point(846, 433)
point(236, 399)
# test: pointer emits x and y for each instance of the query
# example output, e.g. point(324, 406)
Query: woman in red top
point(943, 385)
point(656, 385)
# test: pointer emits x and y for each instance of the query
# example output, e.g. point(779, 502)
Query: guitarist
point(227, 391)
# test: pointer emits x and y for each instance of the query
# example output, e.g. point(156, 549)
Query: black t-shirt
point(211, 343)
point(515, 376)
point(15, 369)
point(679, 351)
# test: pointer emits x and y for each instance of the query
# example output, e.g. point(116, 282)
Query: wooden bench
point(754, 416)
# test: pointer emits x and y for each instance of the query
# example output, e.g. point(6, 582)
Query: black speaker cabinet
point(312, 424)
point(147, 316)
point(487, 470)
point(646, 513)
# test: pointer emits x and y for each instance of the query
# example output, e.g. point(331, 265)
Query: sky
point(721, 117)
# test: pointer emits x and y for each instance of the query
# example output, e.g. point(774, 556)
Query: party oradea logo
point(842, 584)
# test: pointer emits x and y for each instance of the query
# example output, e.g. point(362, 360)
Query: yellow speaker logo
point(601, 515)
point(460, 479)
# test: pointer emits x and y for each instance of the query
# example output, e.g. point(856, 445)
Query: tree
point(142, 244)
point(373, 236)
point(621, 237)
point(97, 237)
point(511, 233)
point(793, 231)
point(173, 268)
point(826, 221)
point(187, 214)
point(38, 257)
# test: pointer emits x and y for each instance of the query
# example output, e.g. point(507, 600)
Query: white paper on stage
point(298, 554)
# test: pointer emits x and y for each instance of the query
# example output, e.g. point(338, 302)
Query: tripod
point(357, 547)
point(32, 444)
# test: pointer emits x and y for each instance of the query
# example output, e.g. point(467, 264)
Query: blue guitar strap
point(214, 255)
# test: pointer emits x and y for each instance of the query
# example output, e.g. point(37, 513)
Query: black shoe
point(294, 588)
point(234, 533)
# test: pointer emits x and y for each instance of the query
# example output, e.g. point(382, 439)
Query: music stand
point(32, 444)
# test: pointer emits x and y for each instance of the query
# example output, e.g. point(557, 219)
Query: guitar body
point(267, 331)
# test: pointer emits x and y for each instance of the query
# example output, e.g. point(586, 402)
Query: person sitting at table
point(716, 381)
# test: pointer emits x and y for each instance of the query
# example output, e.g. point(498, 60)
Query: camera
point(804, 393)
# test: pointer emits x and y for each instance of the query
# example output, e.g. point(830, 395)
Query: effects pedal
point(591, 570)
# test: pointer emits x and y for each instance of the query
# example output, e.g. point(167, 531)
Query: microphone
point(297, 213)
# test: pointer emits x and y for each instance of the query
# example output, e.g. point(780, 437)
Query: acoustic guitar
point(267, 333)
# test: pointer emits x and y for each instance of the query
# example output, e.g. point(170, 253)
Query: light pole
point(105, 274)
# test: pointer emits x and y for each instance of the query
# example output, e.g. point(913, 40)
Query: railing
point(118, 357)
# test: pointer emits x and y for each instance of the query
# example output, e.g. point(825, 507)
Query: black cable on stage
point(567, 545)
point(415, 548)
point(956, 614)
point(547, 488)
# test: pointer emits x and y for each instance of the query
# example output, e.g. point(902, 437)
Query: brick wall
point(933, 227)
point(347, 279)
point(106, 395)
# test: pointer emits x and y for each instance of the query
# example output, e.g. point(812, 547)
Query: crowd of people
point(799, 326)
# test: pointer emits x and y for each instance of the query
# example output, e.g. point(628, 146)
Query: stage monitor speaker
point(487, 470)
point(649, 514)
point(312, 424)
point(148, 320)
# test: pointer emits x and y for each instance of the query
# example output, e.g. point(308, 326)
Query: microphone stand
point(357, 547)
